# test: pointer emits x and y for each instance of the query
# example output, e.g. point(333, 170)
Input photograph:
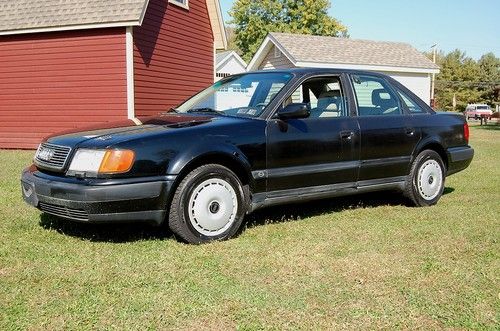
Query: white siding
point(230, 67)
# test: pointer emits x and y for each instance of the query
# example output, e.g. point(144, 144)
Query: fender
point(433, 141)
point(209, 147)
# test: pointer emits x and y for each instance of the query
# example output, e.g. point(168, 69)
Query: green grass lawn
point(362, 262)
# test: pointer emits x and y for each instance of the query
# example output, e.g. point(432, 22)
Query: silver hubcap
point(430, 179)
point(212, 207)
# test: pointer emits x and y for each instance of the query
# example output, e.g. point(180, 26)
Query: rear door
point(387, 135)
point(317, 151)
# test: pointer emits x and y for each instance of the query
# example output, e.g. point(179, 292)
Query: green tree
point(253, 20)
point(231, 40)
point(468, 80)
point(489, 75)
point(458, 78)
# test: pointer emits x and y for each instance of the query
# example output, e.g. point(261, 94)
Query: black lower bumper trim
point(459, 158)
point(458, 154)
point(122, 201)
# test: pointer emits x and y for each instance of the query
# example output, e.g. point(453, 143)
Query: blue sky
point(465, 24)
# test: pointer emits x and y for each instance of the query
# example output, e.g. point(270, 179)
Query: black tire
point(425, 184)
point(214, 199)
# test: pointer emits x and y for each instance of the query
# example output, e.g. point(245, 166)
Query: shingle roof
point(332, 50)
point(221, 56)
point(39, 14)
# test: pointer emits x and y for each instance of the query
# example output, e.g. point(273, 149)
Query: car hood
point(112, 132)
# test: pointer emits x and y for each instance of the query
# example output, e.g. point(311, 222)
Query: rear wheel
point(425, 183)
point(208, 205)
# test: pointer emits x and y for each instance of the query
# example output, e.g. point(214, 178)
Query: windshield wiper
point(203, 110)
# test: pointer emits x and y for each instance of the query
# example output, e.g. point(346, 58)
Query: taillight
point(466, 132)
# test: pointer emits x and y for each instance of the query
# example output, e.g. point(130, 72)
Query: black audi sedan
point(247, 142)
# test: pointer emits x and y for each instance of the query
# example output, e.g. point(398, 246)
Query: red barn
point(73, 63)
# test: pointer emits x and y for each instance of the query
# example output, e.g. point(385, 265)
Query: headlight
point(93, 162)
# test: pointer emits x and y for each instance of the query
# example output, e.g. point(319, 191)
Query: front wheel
point(208, 205)
point(425, 183)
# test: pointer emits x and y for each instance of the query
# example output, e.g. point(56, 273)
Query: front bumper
point(95, 201)
point(459, 158)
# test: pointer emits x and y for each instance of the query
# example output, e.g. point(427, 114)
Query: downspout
point(129, 44)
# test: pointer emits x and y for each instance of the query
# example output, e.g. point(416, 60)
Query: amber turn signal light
point(116, 161)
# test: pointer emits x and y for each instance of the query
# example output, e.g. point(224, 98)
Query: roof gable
point(308, 50)
point(222, 58)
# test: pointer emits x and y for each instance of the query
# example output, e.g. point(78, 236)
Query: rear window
point(412, 106)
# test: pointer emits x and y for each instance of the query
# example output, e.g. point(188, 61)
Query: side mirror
point(294, 110)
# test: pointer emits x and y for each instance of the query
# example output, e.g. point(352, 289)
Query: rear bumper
point(123, 200)
point(459, 158)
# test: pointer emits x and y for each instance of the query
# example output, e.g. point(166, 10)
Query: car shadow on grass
point(113, 233)
point(298, 211)
point(131, 232)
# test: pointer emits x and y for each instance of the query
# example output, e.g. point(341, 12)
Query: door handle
point(410, 131)
point(346, 135)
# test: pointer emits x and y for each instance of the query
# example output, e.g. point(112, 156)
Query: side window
point(410, 104)
point(374, 97)
point(275, 88)
point(313, 101)
point(323, 95)
point(297, 96)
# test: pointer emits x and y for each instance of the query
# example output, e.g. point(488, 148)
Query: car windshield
point(245, 95)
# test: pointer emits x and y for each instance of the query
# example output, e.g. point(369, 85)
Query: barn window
point(180, 3)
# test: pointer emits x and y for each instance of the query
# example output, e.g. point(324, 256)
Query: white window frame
point(180, 3)
point(277, 52)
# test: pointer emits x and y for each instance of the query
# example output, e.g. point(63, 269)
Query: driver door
point(319, 151)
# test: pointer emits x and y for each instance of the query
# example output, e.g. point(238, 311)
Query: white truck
point(476, 111)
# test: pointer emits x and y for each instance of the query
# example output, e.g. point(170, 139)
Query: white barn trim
point(229, 63)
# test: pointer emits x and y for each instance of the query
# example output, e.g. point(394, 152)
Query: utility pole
point(433, 79)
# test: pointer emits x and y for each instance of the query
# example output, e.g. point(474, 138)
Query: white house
point(398, 60)
point(228, 63)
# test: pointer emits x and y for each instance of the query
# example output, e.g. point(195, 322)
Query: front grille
point(52, 157)
point(61, 211)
